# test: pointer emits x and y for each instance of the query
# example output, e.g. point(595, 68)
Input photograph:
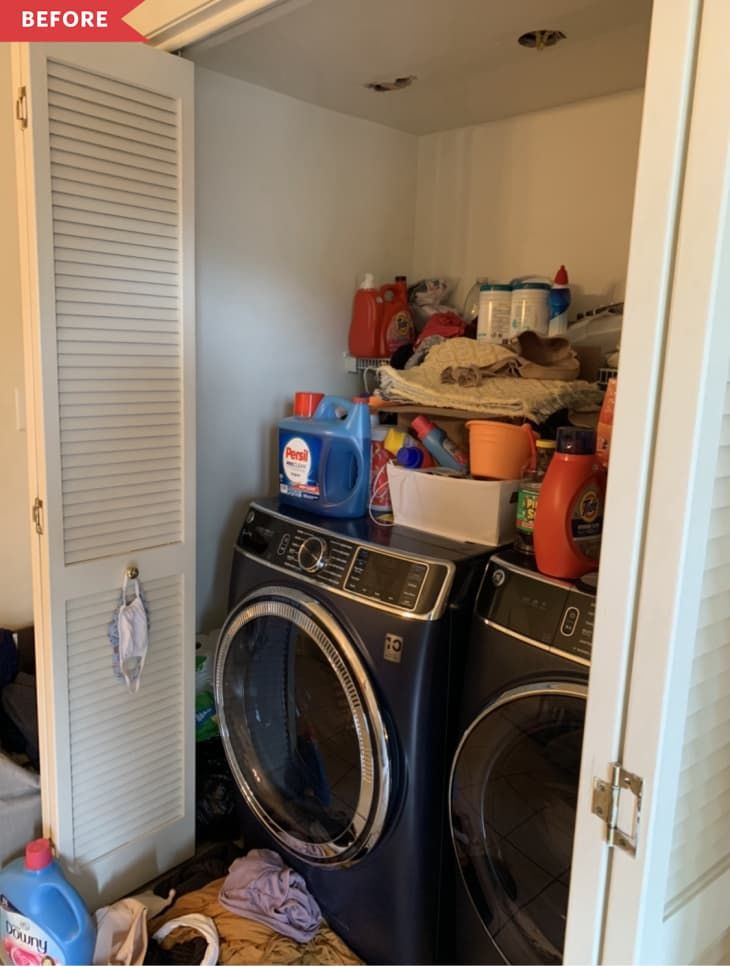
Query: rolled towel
point(259, 886)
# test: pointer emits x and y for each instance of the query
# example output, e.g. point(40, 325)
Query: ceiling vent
point(381, 87)
point(539, 39)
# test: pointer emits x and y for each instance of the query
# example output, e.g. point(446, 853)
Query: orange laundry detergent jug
point(567, 535)
point(367, 319)
point(381, 319)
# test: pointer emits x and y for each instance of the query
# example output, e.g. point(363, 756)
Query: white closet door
point(106, 192)
point(667, 720)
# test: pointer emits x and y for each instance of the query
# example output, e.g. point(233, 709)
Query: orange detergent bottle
point(569, 518)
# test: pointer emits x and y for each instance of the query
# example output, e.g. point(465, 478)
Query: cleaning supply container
point(444, 451)
point(528, 498)
point(495, 313)
point(530, 309)
point(43, 919)
point(397, 328)
point(366, 339)
point(569, 518)
point(324, 462)
point(558, 303)
point(501, 451)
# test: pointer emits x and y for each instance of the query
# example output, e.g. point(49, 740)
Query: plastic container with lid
point(365, 338)
point(528, 498)
point(495, 312)
point(444, 451)
point(43, 920)
point(569, 517)
point(530, 308)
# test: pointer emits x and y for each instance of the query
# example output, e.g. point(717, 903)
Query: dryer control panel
point(553, 614)
point(362, 571)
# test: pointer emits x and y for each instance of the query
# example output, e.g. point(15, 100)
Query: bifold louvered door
point(668, 903)
point(106, 190)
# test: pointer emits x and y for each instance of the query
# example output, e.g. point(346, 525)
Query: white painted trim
point(173, 24)
point(659, 176)
point(687, 439)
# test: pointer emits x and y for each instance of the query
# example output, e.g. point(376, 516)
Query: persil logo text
point(82, 20)
point(296, 461)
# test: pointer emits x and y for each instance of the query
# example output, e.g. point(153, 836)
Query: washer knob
point(312, 555)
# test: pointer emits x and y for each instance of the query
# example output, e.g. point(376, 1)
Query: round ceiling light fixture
point(540, 39)
point(397, 84)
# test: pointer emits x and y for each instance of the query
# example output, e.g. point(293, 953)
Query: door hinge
point(606, 801)
point(21, 107)
point(38, 515)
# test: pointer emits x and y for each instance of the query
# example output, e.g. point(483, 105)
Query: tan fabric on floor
point(244, 941)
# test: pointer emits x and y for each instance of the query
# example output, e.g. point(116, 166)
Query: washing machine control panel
point(552, 613)
point(358, 570)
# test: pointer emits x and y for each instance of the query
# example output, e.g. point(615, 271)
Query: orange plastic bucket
point(500, 451)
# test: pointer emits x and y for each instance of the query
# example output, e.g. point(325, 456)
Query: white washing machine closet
point(514, 779)
point(333, 684)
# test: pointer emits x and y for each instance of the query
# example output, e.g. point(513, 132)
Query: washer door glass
point(514, 785)
point(301, 726)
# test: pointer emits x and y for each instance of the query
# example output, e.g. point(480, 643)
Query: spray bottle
point(559, 300)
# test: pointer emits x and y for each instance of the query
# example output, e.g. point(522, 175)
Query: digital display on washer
point(526, 605)
point(386, 578)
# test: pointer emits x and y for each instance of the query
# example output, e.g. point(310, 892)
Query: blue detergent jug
point(324, 462)
point(43, 920)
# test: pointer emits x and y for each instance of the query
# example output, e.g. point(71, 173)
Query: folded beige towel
point(496, 397)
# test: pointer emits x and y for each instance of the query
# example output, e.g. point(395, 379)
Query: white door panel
point(106, 220)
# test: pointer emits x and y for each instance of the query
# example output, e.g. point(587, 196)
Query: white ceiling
point(464, 53)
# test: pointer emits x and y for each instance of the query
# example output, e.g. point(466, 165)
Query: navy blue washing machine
point(334, 682)
point(514, 779)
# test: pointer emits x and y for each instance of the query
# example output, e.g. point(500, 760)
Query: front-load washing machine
point(514, 779)
point(332, 679)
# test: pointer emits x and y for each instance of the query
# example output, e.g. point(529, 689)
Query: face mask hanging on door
point(129, 636)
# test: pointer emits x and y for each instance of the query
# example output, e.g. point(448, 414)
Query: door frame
point(173, 24)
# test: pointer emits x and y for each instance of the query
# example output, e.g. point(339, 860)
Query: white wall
point(16, 608)
point(293, 202)
point(522, 195)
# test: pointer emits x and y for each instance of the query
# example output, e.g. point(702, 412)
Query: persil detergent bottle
point(569, 518)
point(43, 919)
point(324, 462)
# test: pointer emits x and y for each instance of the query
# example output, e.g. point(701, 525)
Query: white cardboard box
point(481, 511)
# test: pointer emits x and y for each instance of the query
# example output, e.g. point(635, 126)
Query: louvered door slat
point(701, 835)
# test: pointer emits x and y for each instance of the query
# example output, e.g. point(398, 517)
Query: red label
point(73, 20)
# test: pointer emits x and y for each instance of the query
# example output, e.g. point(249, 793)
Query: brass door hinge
point(606, 800)
point(21, 107)
point(38, 515)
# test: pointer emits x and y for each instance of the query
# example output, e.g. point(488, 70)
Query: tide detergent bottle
point(324, 462)
point(569, 518)
point(43, 919)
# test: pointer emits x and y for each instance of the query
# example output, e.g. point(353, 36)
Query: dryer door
point(301, 726)
point(514, 785)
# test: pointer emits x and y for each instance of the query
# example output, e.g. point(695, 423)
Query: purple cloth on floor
point(260, 887)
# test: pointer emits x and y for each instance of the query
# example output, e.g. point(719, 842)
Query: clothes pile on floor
point(260, 913)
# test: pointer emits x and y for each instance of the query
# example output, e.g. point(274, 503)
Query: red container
point(306, 403)
point(367, 318)
point(567, 535)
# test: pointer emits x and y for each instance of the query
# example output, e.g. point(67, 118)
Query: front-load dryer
point(333, 677)
point(514, 779)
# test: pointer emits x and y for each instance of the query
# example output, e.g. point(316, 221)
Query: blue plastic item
point(324, 462)
point(410, 457)
point(43, 920)
point(444, 451)
point(558, 302)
